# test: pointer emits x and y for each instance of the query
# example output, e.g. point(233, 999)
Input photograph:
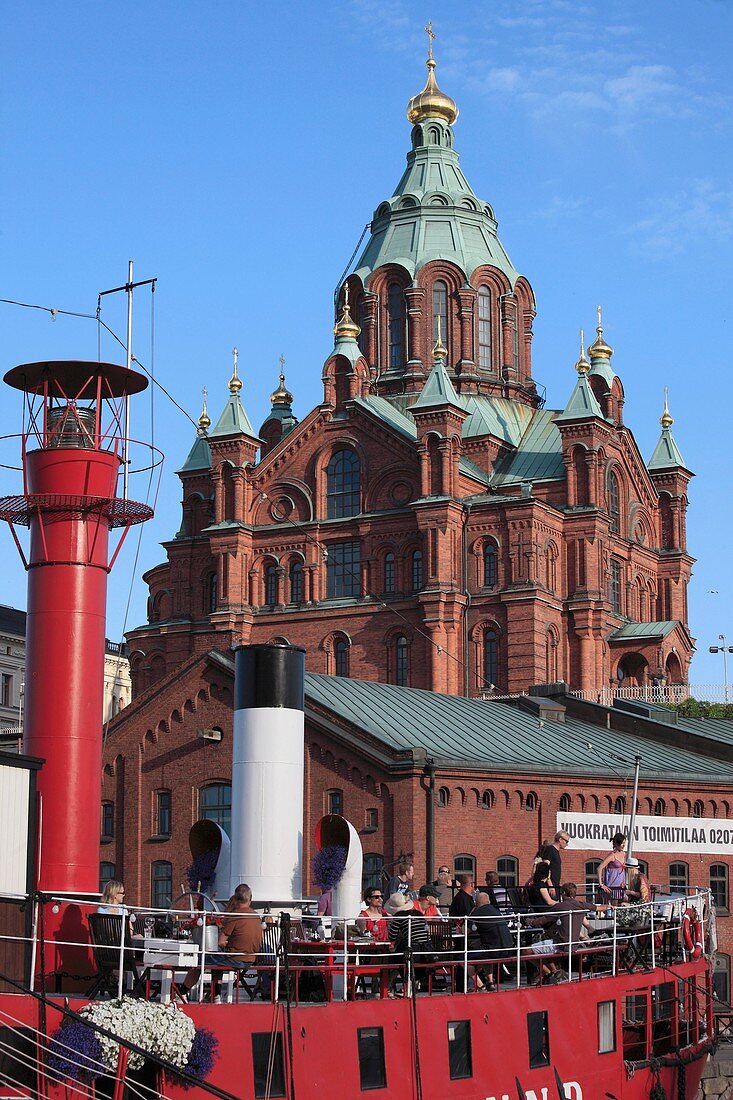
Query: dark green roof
point(582, 402)
point(666, 453)
point(494, 736)
point(438, 390)
point(538, 456)
point(643, 630)
point(233, 420)
point(199, 457)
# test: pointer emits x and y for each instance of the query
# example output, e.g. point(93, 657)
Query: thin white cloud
point(700, 209)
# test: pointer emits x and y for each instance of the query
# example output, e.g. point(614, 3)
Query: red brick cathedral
point(431, 523)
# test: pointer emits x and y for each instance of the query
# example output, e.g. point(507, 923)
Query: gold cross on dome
point(431, 35)
point(282, 363)
point(235, 357)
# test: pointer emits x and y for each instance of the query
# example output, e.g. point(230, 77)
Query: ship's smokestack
point(267, 771)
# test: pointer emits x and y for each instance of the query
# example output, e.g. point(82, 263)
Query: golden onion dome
point(281, 396)
point(431, 102)
point(582, 366)
point(235, 382)
point(599, 349)
point(440, 351)
point(346, 326)
point(666, 419)
point(204, 421)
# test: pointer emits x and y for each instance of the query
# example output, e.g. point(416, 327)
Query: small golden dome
point(431, 102)
point(439, 351)
point(666, 419)
point(582, 366)
point(281, 396)
point(204, 421)
point(599, 349)
point(346, 326)
point(235, 382)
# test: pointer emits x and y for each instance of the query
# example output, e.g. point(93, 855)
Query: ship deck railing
point(308, 958)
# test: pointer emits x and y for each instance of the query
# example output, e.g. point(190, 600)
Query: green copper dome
point(434, 213)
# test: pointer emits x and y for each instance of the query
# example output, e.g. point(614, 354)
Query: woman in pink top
point(373, 919)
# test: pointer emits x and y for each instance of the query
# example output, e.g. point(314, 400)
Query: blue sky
point(235, 151)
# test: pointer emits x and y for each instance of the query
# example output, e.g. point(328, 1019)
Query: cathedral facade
point(431, 523)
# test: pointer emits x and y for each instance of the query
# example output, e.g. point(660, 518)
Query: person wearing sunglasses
point(373, 919)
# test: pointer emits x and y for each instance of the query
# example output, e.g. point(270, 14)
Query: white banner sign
point(674, 835)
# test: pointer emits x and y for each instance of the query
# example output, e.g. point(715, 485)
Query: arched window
point(417, 571)
point(619, 806)
point(465, 865)
point(679, 877)
point(507, 868)
point(565, 803)
point(296, 582)
point(721, 979)
point(614, 502)
point(551, 567)
point(371, 870)
point(440, 310)
point(592, 889)
point(163, 813)
point(389, 573)
point(108, 820)
point(487, 800)
point(551, 648)
point(491, 556)
point(106, 872)
point(665, 513)
point(215, 804)
point(443, 796)
point(614, 586)
point(719, 886)
point(341, 657)
point(270, 585)
point(484, 328)
point(343, 485)
point(211, 596)
point(659, 808)
point(395, 324)
point(491, 659)
point(161, 884)
point(335, 801)
point(402, 661)
point(530, 802)
point(698, 808)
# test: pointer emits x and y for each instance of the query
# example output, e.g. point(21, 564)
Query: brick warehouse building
point(429, 525)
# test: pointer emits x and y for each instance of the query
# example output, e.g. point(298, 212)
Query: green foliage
point(700, 708)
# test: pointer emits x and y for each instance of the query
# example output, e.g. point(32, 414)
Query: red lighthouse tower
point(73, 450)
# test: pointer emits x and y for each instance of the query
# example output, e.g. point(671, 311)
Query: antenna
point(128, 287)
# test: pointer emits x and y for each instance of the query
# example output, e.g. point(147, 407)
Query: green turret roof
point(666, 453)
point(199, 457)
point(233, 420)
point(438, 391)
point(582, 403)
point(434, 213)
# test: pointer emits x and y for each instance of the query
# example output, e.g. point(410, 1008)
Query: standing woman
point(612, 871)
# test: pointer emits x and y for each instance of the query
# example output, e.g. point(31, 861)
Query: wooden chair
point(105, 931)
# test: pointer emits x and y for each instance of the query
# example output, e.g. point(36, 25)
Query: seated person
point(111, 902)
point(489, 940)
point(463, 901)
point(373, 919)
point(240, 938)
point(498, 896)
point(409, 928)
point(427, 902)
point(639, 889)
point(572, 917)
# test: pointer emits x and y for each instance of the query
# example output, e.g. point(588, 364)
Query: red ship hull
point(321, 1055)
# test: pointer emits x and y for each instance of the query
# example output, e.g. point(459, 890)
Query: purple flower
point(201, 1056)
point(202, 870)
point(328, 865)
point(84, 1056)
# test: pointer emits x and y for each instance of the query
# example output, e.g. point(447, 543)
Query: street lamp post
point(725, 650)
